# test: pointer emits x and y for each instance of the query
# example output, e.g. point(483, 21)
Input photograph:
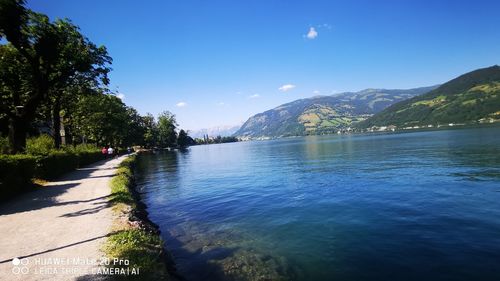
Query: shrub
point(41, 145)
point(59, 162)
point(83, 147)
point(85, 158)
point(4, 145)
point(56, 164)
point(16, 173)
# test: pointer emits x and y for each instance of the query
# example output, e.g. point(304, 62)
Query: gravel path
point(66, 221)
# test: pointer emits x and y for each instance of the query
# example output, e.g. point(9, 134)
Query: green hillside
point(472, 97)
point(323, 114)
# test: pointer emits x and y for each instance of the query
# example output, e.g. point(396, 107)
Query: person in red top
point(104, 152)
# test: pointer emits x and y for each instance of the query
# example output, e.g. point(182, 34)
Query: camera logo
point(20, 266)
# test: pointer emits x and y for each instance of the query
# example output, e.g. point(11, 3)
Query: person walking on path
point(110, 152)
point(104, 152)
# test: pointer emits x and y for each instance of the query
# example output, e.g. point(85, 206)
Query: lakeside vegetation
point(41, 161)
point(213, 140)
point(133, 238)
point(57, 109)
point(54, 80)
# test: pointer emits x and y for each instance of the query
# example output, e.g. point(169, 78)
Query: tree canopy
point(54, 78)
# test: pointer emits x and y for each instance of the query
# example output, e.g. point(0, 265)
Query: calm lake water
point(409, 206)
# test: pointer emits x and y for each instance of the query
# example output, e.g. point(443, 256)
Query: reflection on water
point(413, 206)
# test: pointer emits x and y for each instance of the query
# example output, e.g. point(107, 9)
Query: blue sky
point(219, 62)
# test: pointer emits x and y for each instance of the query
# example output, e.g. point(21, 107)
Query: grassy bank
point(134, 237)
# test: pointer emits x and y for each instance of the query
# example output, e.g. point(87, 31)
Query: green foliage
point(218, 139)
point(55, 164)
point(141, 249)
point(465, 99)
point(4, 145)
point(183, 139)
point(137, 245)
point(16, 173)
point(167, 135)
point(322, 114)
point(41, 63)
point(121, 183)
point(150, 130)
point(82, 148)
point(101, 119)
point(50, 73)
point(41, 145)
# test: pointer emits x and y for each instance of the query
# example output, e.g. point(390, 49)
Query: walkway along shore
point(64, 222)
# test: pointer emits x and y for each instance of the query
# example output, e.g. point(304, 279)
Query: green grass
point(142, 249)
point(127, 242)
point(433, 102)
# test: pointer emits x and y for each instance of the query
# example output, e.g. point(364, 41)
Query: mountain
point(223, 131)
point(472, 97)
point(323, 114)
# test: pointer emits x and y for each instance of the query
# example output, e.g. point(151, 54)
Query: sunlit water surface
point(411, 206)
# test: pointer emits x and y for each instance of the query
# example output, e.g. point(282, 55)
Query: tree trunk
point(56, 123)
point(17, 134)
point(68, 133)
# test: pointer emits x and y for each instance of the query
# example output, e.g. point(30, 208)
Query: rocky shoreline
point(140, 216)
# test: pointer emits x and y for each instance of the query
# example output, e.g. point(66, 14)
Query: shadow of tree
point(59, 248)
point(100, 206)
point(45, 196)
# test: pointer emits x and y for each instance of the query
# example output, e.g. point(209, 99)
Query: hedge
point(17, 171)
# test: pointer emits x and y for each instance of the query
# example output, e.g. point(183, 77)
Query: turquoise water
point(411, 206)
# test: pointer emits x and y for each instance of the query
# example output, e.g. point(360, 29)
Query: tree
point(150, 130)
point(80, 65)
point(102, 118)
point(42, 59)
point(183, 139)
point(135, 128)
point(167, 135)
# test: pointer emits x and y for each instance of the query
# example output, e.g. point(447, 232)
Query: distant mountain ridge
point(471, 97)
point(323, 114)
point(223, 131)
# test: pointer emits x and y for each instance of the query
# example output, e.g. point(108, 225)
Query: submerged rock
point(251, 265)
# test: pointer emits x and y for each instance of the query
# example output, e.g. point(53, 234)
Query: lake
point(407, 206)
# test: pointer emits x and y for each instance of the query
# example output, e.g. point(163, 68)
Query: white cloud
point(286, 87)
point(120, 96)
point(221, 103)
point(254, 96)
point(181, 104)
point(312, 34)
point(326, 26)
point(316, 92)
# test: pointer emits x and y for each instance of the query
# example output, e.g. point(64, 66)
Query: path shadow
point(39, 198)
point(105, 176)
point(100, 206)
point(45, 196)
point(58, 248)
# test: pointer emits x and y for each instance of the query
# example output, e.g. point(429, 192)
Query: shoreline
point(141, 235)
point(141, 215)
point(385, 132)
